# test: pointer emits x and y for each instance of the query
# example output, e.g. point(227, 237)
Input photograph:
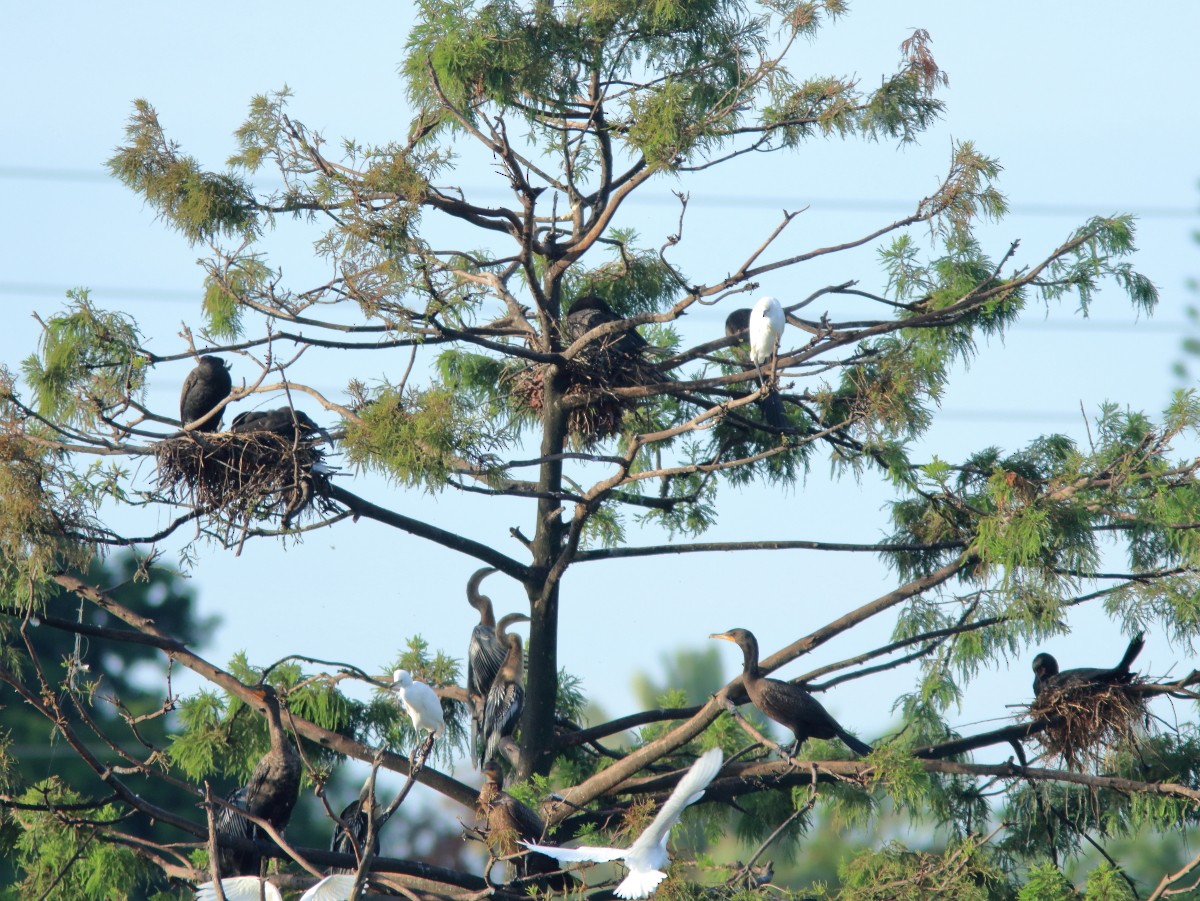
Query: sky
point(1087, 105)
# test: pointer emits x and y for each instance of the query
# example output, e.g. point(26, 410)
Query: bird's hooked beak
point(724, 636)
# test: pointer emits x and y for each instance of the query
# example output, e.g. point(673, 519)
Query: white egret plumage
point(251, 888)
point(647, 857)
point(766, 328)
point(420, 701)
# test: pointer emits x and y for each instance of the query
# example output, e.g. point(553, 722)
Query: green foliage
point(896, 873)
point(419, 438)
point(225, 287)
point(200, 205)
point(1046, 882)
point(1106, 883)
point(90, 364)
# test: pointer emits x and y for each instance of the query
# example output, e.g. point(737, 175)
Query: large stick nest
point(601, 416)
point(1087, 720)
point(247, 477)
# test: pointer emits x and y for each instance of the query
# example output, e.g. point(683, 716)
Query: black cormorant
point(203, 388)
point(286, 422)
point(1046, 676)
point(786, 703)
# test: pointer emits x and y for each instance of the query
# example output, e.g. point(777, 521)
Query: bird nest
point(250, 477)
point(588, 423)
point(1085, 722)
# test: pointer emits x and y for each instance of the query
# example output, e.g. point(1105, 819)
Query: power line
point(742, 201)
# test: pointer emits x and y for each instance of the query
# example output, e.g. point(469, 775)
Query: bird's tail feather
point(861, 748)
point(772, 411)
point(639, 884)
point(1135, 647)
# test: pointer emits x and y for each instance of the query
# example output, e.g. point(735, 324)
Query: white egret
point(251, 888)
point(766, 328)
point(422, 703)
point(647, 857)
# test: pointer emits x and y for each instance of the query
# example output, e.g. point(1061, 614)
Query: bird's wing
point(639, 884)
point(582, 854)
point(331, 888)
point(239, 888)
point(485, 656)
point(689, 790)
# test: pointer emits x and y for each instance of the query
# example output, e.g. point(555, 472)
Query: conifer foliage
point(598, 425)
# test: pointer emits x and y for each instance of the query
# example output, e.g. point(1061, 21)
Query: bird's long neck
point(750, 670)
point(514, 664)
point(483, 604)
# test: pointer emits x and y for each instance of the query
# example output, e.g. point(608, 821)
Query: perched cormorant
point(786, 703)
point(647, 857)
point(349, 840)
point(508, 820)
point(420, 701)
point(251, 888)
point(286, 422)
point(270, 794)
point(485, 653)
point(203, 388)
point(506, 695)
point(590, 312)
point(1046, 676)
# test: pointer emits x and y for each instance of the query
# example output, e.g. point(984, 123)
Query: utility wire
point(741, 201)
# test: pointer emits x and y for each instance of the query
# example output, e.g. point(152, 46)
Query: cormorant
point(251, 888)
point(590, 312)
point(286, 422)
point(485, 653)
point(506, 695)
point(786, 703)
point(1046, 676)
point(349, 840)
point(647, 857)
point(203, 388)
point(422, 703)
point(270, 794)
point(508, 820)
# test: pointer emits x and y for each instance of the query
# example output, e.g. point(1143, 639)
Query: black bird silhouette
point(737, 325)
point(506, 696)
point(590, 312)
point(1046, 675)
point(203, 388)
point(270, 794)
point(355, 817)
point(786, 703)
point(282, 421)
point(485, 653)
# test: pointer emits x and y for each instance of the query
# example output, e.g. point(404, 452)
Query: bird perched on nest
point(269, 794)
point(508, 820)
point(203, 388)
point(737, 325)
point(420, 701)
point(251, 888)
point(647, 856)
point(1046, 675)
point(786, 703)
point(590, 312)
point(506, 695)
point(285, 422)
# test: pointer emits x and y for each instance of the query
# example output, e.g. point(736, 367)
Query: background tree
point(579, 107)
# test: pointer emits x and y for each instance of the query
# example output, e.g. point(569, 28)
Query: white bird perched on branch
point(251, 888)
point(766, 328)
point(422, 703)
point(647, 857)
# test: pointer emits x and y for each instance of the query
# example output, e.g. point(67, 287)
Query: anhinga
point(786, 703)
point(1046, 676)
point(508, 821)
point(351, 838)
point(506, 695)
point(251, 888)
point(647, 857)
point(485, 653)
point(270, 794)
point(420, 701)
point(203, 388)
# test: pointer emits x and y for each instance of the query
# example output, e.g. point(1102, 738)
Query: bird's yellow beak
point(722, 635)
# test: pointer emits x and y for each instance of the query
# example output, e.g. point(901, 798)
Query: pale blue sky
point(1089, 106)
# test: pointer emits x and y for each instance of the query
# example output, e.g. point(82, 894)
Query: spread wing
point(239, 888)
point(689, 790)
point(331, 888)
point(583, 854)
point(639, 884)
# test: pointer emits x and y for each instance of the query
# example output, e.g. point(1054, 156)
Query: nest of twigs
point(1086, 721)
point(247, 477)
point(588, 423)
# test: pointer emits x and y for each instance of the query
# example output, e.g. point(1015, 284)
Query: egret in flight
point(647, 857)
